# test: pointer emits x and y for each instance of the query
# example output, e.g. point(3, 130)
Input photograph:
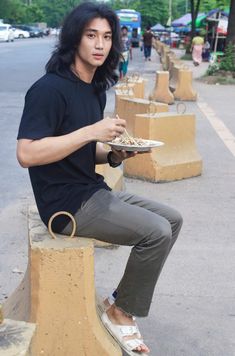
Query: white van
point(6, 32)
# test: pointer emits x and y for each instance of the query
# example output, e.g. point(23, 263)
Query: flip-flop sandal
point(100, 305)
point(119, 332)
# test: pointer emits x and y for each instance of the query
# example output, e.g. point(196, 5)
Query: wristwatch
point(110, 162)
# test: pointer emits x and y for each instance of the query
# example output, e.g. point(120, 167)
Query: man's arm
point(51, 149)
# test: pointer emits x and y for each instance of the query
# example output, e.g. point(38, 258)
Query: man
point(126, 52)
point(60, 142)
point(147, 43)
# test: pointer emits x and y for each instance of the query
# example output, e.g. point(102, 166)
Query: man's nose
point(100, 43)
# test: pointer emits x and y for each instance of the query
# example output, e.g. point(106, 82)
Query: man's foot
point(107, 304)
point(118, 317)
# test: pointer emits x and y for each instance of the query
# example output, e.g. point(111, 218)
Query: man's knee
point(162, 234)
point(178, 219)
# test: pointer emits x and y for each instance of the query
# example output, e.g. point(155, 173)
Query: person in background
point(126, 52)
point(206, 51)
point(147, 43)
point(196, 49)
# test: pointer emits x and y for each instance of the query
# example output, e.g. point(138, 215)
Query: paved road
point(193, 310)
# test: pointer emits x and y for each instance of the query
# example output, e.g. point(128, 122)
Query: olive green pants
point(126, 219)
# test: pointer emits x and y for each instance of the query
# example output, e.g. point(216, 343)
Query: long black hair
point(70, 38)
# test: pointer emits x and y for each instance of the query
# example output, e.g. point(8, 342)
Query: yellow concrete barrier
point(122, 92)
point(164, 57)
point(134, 83)
point(184, 88)
point(58, 294)
point(128, 108)
point(137, 83)
point(173, 60)
point(161, 91)
point(112, 176)
point(177, 159)
point(174, 74)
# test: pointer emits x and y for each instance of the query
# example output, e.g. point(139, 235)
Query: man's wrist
point(110, 160)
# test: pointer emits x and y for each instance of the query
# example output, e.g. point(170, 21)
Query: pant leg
point(129, 220)
point(145, 51)
point(125, 68)
point(175, 220)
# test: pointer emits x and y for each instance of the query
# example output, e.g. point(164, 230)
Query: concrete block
point(174, 74)
point(184, 89)
point(60, 295)
point(124, 92)
point(161, 92)
point(112, 176)
point(164, 57)
point(137, 84)
point(169, 57)
point(177, 159)
point(128, 108)
point(16, 338)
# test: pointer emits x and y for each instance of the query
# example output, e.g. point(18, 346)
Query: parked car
point(6, 32)
point(33, 31)
point(18, 33)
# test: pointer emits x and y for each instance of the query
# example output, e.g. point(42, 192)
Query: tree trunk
point(194, 12)
point(231, 24)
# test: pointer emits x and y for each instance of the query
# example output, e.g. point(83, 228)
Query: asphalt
point(193, 309)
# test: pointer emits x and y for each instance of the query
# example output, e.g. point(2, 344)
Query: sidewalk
point(192, 312)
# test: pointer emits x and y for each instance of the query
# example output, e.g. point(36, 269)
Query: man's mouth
point(98, 55)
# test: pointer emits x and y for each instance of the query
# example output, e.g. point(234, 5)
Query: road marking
point(220, 128)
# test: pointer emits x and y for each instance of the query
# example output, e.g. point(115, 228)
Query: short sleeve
point(102, 100)
point(43, 112)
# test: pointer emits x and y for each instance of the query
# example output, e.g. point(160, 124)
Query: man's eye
point(90, 35)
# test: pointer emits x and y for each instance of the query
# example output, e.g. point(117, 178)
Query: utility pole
point(170, 20)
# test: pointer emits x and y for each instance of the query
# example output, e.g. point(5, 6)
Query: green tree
point(55, 10)
point(12, 10)
point(153, 11)
point(33, 14)
point(228, 61)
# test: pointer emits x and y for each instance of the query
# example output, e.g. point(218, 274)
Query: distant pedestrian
point(147, 43)
point(206, 51)
point(196, 48)
point(126, 52)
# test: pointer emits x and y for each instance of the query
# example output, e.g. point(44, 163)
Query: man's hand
point(108, 129)
point(119, 156)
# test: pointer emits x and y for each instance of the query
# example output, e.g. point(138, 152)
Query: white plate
point(149, 145)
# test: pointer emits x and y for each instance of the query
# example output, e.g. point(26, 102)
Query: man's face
point(95, 44)
point(124, 32)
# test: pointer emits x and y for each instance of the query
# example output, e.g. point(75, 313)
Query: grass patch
point(186, 57)
point(217, 79)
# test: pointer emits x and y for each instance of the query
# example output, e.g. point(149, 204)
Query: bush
point(228, 61)
point(213, 69)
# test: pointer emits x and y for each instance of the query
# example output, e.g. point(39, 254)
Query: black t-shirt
point(57, 105)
